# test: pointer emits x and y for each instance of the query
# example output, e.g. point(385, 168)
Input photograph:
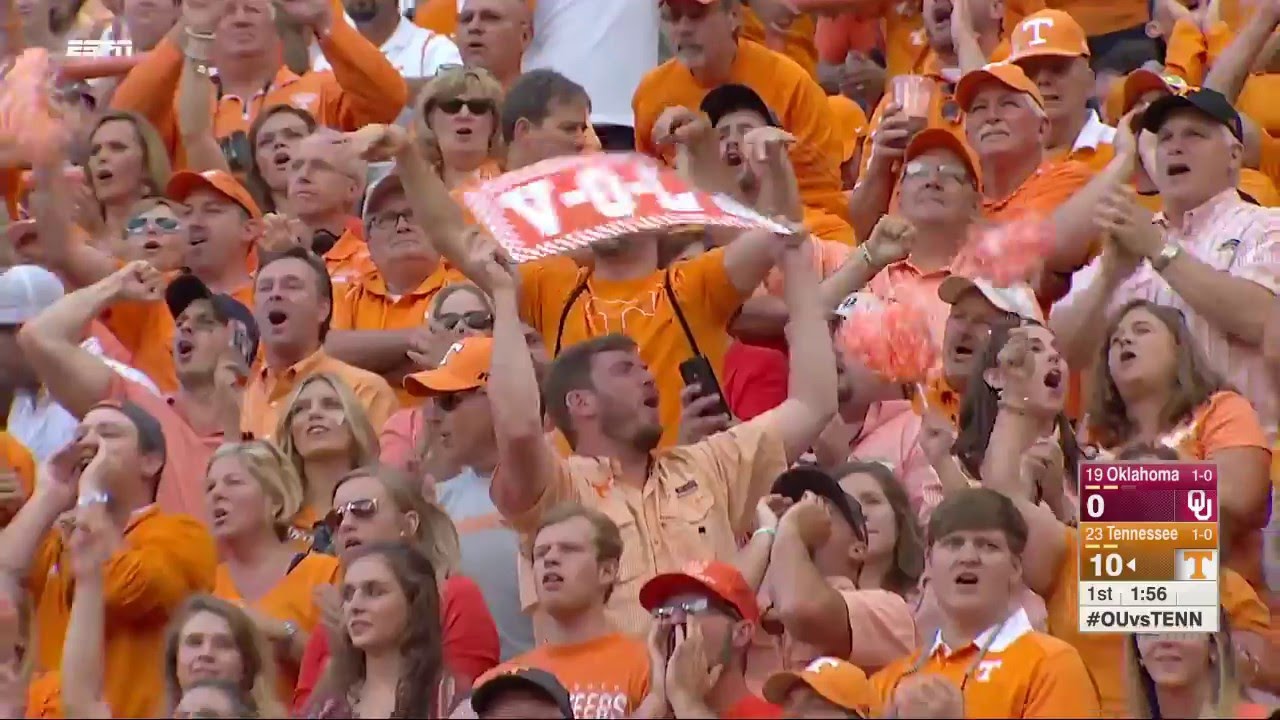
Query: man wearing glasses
point(705, 617)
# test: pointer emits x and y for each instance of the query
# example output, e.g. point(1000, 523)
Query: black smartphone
point(697, 371)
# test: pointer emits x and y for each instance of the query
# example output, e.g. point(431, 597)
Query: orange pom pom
point(892, 338)
point(28, 117)
point(1005, 254)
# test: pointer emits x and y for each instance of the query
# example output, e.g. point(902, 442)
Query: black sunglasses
point(448, 402)
point(476, 320)
point(362, 509)
point(139, 224)
point(475, 107)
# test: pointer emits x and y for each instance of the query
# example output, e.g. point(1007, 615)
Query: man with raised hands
point(237, 44)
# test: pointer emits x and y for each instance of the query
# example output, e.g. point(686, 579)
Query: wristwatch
point(1165, 256)
point(93, 498)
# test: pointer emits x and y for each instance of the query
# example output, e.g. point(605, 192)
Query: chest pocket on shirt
point(633, 562)
point(688, 524)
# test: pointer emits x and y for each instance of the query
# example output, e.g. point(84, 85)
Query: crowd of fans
point(289, 434)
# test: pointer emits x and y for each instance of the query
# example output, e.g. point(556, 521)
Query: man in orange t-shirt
point(249, 73)
point(1052, 49)
point(575, 556)
point(380, 315)
point(709, 53)
point(1006, 125)
point(1001, 665)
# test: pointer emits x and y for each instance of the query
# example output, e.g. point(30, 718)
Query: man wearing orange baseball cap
point(220, 229)
point(1006, 124)
point(709, 611)
point(1052, 49)
point(827, 688)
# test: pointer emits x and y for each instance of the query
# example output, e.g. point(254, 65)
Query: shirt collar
point(996, 638)
point(348, 244)
point(1094, 133)
point(401, 37)
point(1207, 209)
point(373, 283)
point(305, 366)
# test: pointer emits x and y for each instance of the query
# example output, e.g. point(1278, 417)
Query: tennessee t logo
point(1198, 558)
point(1034, 25)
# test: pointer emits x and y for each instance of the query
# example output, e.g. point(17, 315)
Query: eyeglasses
point(476, 320)
point(475, 107)
point(919, 168)
point(362, 509)
point(138, 225)
point(695, 606)
point(391, 218)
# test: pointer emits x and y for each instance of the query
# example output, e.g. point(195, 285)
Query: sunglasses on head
point(363, 509)
point(140, 224)
point(695, 606)
point(476, 320)
point(475, 107)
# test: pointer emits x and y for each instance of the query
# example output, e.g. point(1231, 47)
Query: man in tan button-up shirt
point(672, 506)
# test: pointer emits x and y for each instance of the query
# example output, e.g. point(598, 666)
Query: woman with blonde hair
point(253, 493)
point(208, 639)
point(382, 505)
point(1185, 675)
point(456, 118)
point(325, 433)
point(127, 162)
point(1153, 384)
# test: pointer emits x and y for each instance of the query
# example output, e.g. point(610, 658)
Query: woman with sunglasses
point(459, 310)
point(1152, 383)
point(325, 433)
point(153, 233)
point(458, 125)
point(253, 493)
point(381, 505)
point(388, 660)
point(207, 640)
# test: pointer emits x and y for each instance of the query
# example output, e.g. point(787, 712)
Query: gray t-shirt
point(490, 553)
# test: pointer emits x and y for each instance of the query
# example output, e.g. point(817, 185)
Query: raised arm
point(195, 110)
point(92, 542)
point(1231, 69)
point(76, 378)
point(367, 87)
point(812, 611)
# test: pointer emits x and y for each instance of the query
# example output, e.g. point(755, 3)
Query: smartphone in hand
point(697, 371)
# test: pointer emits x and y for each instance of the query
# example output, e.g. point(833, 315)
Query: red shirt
point(470, 641)
point(751, 707)
point(755, 379)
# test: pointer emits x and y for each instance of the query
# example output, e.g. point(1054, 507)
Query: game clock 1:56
point(1149, 593)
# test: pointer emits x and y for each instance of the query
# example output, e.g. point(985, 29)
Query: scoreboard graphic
point(1149, 547)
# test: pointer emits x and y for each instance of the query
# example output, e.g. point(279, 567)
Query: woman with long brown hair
point(382, 505)
point(457, 121)
point(388, 661)
point(325, 433)
point(127, 162)
point(1153, 384)
point(894, 559)
point(273, 138)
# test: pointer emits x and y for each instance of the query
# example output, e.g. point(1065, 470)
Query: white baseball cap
point(1018, 299)
point(25, 290)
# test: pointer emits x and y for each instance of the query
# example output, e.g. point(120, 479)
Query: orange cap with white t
point(1048, 33)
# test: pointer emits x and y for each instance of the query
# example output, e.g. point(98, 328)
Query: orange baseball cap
point(1005, 73)
point(1048, 33)
point(464, 367)
point(850, 124)
point(941, 139)
point(718, 578)
point(1142, 81)
point(839, 682)
point(183, 183)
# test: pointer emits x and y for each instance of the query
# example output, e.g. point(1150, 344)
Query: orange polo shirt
point(791, 94)
point(366, 304)
point(268, 389)
point(362, 88)
point(146, 330)
point(348, 258)
point(1009, 671)
point(163, 560)
point(641, 310)
point(288, 601)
